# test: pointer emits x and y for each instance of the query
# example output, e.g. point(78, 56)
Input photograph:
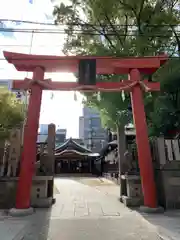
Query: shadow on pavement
point(37, 227)
point(167, 223)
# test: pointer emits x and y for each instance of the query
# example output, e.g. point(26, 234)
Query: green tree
point(118, 28)
point(11, 112)
point(164, 115)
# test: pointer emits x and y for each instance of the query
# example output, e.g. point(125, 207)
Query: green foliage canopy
point(124, 28)
point(11, 112)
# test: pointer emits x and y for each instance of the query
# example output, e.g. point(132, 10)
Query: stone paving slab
point(103, 185)
point(10, 228)
point(168, 226)
point(80, 212)
point(89, 229)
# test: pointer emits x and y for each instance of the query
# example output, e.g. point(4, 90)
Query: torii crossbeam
point(39, 64)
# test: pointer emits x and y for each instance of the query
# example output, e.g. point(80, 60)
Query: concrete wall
point(166, 160)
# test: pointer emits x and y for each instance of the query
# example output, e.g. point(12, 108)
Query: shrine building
point(71, 157)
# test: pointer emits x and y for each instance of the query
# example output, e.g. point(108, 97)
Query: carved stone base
point(14, 212)
point(131, 201)
point(43, 202)
point(121, 199)
point(53, 201)
point(146, 209)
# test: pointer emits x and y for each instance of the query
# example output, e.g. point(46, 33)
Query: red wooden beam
point(105, 65)
point(139, 63)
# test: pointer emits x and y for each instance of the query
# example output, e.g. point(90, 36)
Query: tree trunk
point(121, 140)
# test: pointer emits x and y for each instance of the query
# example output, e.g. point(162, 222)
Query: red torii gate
point(39, 64)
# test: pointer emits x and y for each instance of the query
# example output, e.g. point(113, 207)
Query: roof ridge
point(62, 145)
point(75, 143)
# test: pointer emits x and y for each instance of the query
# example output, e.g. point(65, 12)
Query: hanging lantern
point(87, 72)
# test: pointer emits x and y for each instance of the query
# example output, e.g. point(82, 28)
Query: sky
point(62, 109)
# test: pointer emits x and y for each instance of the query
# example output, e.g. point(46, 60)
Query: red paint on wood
point(29, 148)
point(105, 65)
point(144, 153)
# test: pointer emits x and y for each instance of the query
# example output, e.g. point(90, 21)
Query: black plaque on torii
point(87, 72)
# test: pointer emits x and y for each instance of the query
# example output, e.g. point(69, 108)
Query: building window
point(96, 122)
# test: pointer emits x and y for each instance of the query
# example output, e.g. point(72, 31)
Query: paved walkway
point(103, 185)
point(80, 212)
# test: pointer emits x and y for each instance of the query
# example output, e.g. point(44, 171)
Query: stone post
point(51, 158)
point(51, 147)
point(14, 152)
point(161, 151)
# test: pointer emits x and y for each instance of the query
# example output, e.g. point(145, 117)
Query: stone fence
point(43, 179)
point(166, 161)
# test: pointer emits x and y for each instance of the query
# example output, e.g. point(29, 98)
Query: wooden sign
point(87, 72)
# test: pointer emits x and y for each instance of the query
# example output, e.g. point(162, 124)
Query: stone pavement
point(168, 224)
point(80, 212)
point(103, 185)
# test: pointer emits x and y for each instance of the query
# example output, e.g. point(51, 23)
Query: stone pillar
point(14, 152)
point(51, 148)
point(134, 195)
point(121, 144)
point(51, 158)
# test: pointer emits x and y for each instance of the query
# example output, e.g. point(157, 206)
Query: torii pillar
point(38, 64)
point(27, 163)
point(143, 148)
